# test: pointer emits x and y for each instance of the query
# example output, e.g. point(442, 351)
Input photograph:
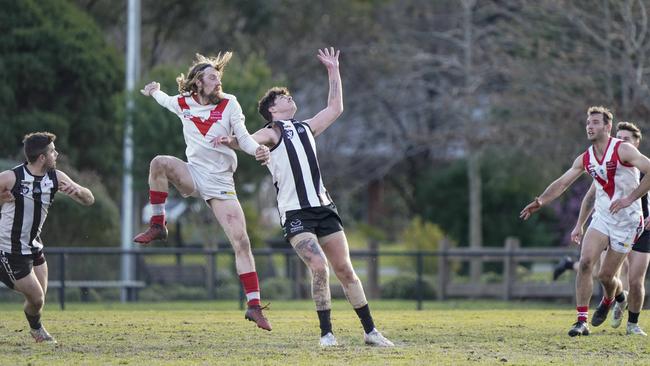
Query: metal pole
point(132, 67)
point(62, 280)
point(420, 287)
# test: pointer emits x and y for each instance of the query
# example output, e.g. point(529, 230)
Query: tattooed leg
point(306, 245)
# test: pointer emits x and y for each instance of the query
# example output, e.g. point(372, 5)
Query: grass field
point(207, 333)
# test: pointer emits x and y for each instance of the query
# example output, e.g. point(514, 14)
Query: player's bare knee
point(159, 164)
point(319, 266)
point(585, 266)
point(346, 274)
point(637, 286)
point(35, 300)
point(605, 276)
point(241, 245)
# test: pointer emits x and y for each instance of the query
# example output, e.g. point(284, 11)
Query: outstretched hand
point(530, 209)
point(150, 88)
point(329, 57)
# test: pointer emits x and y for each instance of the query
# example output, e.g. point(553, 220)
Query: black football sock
point(325, 321)
point(366, 318)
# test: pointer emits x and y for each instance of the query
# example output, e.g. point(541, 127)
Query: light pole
point(132, 75)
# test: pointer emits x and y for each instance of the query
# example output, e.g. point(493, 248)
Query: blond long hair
point(187, 85)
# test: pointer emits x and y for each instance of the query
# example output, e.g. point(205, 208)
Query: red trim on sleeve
point(585, 161)
point(182, 103)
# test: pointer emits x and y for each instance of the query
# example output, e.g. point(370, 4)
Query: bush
point(172, 292)
point(276, 288)
point(422, 235)
point(404, 286)
point(70, 224)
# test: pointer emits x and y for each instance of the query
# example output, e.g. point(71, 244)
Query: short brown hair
point(629, 126)
point(608, 117)
point(187, 85)
point(35, 144)
point(268, 101)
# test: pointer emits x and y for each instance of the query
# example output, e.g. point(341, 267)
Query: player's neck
point(201, 99)
point(283, 116)
point(36, 169)
point(601, 144)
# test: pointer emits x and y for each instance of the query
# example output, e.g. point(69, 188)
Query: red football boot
point(154, 232)
point(254, 314)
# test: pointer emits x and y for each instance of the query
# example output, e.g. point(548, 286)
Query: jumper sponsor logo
point(295, 225)
point(300, 129)
point(187, 115)
point(215, 114)
point(624, 245)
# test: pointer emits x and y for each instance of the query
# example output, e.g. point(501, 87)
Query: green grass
point(206, 333)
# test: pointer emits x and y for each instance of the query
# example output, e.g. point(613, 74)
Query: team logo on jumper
point(24, 187)
point(600, 171)
point(288, 132)
point(295, 225)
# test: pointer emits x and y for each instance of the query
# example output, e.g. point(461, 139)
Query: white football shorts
point(210, 185)
point(621, 237)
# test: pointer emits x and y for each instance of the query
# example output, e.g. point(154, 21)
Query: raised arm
point(75, 191)
point(321, 121)
point(555, 189)
point(586, 208)
point(153, 89)
point(630, 155)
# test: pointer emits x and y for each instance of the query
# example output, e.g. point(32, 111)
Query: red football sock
point(251, 287)
point(157, 200)
point(583, 312)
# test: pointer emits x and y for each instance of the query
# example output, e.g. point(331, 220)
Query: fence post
point(509, 266)
point(210, 280)
point(420, 269)
point(62, 280)
point(443, 269)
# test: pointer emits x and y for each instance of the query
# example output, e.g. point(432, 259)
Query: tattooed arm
point(321, 121)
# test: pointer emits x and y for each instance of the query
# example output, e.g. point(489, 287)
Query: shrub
point(276, 288)
point(404, 286)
